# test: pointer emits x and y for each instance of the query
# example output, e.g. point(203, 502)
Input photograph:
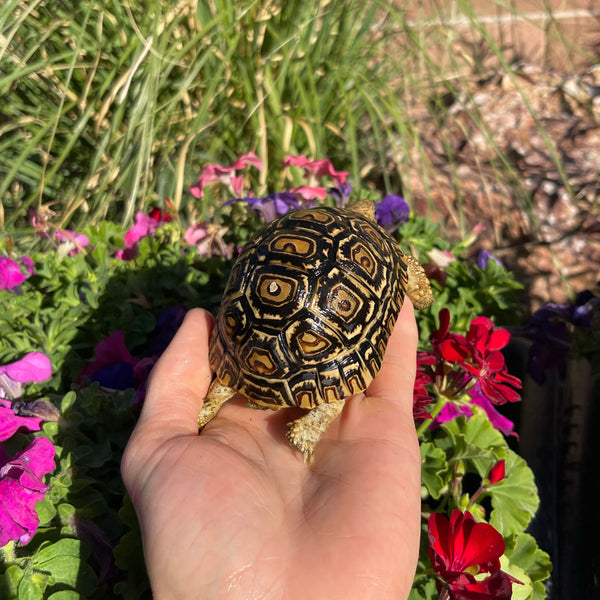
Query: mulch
point(542, 221)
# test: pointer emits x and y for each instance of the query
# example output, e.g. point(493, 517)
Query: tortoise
point(306, 315)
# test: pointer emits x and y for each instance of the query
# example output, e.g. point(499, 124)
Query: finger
point(181, 377)
point(396, 378)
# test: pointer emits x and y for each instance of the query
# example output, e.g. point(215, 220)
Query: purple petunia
point(113, 364)
point(272, 206)
point(484, 256)
point(551, 329)
point(391, 212)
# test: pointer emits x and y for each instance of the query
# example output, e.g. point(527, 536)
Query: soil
point(543, 220)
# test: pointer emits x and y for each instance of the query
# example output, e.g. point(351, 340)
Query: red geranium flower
point(421, 396)
point(165, 215)
point(479, 355)
point(460, 549)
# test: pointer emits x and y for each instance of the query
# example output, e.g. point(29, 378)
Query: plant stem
point(440, 403)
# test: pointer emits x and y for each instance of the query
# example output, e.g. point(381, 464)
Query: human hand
point(236, 513)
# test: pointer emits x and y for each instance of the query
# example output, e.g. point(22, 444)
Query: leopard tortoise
point(307, 313)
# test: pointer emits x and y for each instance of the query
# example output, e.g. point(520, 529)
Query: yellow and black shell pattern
point(308, 309)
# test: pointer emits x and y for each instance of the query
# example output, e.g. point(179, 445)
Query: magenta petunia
point(10, 422)
point(21, 487)
point(34, 366)
point(14, 273)
point(145, 225)
point(451, 411)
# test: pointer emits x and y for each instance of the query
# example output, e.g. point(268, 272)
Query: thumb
point(176, 387)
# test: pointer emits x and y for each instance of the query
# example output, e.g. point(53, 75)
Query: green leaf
point(64, 563)
point(424, 590)
point(32, 587)
point(520, 591)
point(66, 512)
point(9, 584)
point(433, 464)
point(66, 595)
point(522, 550)
point(64, 547)
point(45, 510)
point(71, 571)
point(475, 441)
point(514, 498)
point(68, 402)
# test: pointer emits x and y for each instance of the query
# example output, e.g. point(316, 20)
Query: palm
point(247, 515)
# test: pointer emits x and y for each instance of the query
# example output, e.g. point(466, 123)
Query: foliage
point(134, 286)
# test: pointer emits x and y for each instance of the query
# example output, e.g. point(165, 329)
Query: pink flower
point(459, 549)
point(316, 168)
point(34, 366)
point(77, 241)
point(498, 420)
point(14, 273)
point(144, 225)
point(441, 258)
point(226, 175)
point(21, 487)
point(10, 422)
point(208, 239)
point(309, 192)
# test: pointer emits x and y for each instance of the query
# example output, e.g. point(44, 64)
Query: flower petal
point(34, 366)
point(21, 488)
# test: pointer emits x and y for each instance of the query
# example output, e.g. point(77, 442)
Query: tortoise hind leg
point(418, 289)
point(217, 395)
point(304, 433)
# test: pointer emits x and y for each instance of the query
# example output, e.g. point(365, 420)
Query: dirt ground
point(545, 223)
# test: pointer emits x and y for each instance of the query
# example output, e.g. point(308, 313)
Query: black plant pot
point(558, 429)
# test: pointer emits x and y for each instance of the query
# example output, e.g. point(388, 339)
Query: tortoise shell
point(308, 309)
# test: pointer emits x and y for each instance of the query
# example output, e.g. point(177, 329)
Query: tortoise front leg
point(304, 433)
point(419, 289)
point(217, 395)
